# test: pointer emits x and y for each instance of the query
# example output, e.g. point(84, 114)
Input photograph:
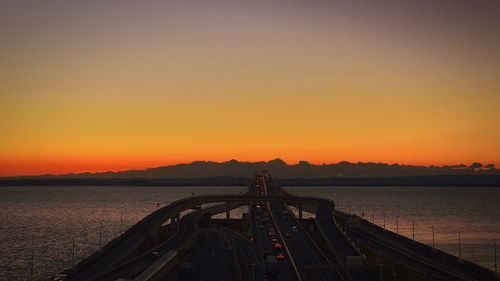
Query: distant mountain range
point(281, 170)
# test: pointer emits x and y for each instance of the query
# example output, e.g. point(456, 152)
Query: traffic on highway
point(269, 242)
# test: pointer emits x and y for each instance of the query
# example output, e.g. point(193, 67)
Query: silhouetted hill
point(235, 172)
point(280, 169)
point(439, 180)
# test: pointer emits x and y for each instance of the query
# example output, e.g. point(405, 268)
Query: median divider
point(159, 268)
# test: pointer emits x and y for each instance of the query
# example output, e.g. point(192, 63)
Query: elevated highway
point(133, 241)
point(277, 245)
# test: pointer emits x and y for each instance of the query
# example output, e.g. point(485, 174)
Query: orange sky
point(95, 87)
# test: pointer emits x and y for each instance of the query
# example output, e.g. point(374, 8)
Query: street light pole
point(73, 252)
point(384, 220)
point(32, 265)
point(459, 247)
point(495, 250)
point(433, 245)
point(397, 225)
point(413, 229)
point(100, 235)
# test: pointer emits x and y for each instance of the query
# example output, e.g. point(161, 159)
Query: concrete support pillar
point(228, 212)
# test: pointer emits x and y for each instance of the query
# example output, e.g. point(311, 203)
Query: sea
point(45, 230)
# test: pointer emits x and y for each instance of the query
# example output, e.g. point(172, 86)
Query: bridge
point(273, 241)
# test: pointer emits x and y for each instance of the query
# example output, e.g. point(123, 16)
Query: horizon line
point(291, 163)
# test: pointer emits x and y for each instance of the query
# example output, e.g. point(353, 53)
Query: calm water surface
point(43, 221)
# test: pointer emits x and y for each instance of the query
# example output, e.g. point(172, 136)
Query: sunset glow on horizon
point(95, 86)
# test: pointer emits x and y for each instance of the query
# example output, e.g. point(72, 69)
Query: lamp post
point(433, 245)
point(384, 220)
point(495, 250)
point(100, 235)
point(32, 264)
point(73, 252)
point(459, 247)
point(397, 225)
point(413, 229)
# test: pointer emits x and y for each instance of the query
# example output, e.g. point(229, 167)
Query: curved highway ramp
point(269, 242)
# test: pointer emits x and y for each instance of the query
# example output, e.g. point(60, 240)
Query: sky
point(115, 85)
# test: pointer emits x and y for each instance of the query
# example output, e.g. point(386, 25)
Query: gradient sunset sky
point(113, 85)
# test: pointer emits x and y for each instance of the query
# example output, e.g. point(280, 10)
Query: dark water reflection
point(45, 220)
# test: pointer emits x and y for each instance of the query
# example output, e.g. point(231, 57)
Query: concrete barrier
point(159, 268)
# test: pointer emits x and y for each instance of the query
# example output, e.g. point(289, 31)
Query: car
point(155, 255)
point(294, 229)
point(278, 245)
point(280, 256)
point(288, 234)
point(274, 240)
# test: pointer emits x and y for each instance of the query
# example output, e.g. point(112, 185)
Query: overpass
point(270, 243)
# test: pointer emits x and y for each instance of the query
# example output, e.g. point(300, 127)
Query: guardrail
point(159, 268)
point(181, 250)
point(423, 259)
